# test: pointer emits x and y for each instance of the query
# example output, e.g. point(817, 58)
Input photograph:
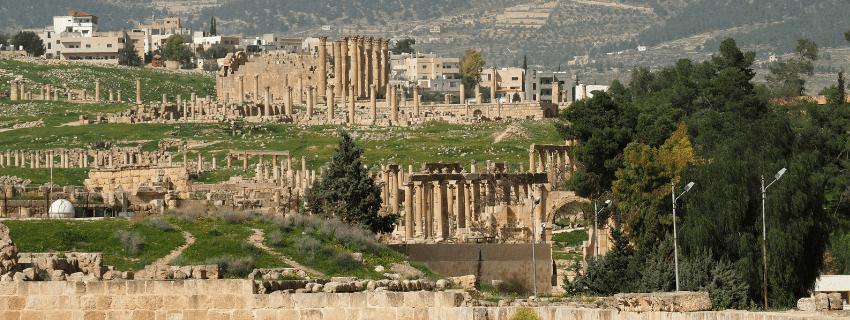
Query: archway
point(477, 113)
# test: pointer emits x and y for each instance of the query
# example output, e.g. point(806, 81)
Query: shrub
point(308, 247)
point(214, 232)
point(512, 287)
point(275, 238)
point(230, 216)
point(131, 241)
point(178, 261)
point(158, 223)
point(251, 249)
point(525, 314)
point(235, 267)
point(345, 262)
point(284, 224)
point(190, 215)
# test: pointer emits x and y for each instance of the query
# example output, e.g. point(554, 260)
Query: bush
point(178, 261)
point(512, 287)
point(131, 241)
point(308, 247)
point(190, 215)
point(158, 223)
point(345, 262)
point(234, 267)
point(233, 216)
point(525, 314)
point(275, 238)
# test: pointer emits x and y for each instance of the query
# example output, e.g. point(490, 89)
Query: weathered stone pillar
point(416, 101)
point(531, 159)
point(138, 91)
point(367, 65)
point(310, 100)
point(85, 97)
point(493, 85)
point(245, 161)
point(440, 210)
point(556, 94)
point(460, 210)
point(256, 87)
point(119, 96)
point(462, 94)
point(373, 103)
point(476, 201)
point(268, 103)
point(346, 65)
point(330, 103)
point(338, 56)
point(97, 90)
point(23, 85)
point(164, 98)
point(408, 210)
point(14, 94)
point(111, 95)
point(323, 65)
point(385, 47)
point(288, 107)
point(478, 94)
point(394, 105)
point(428, 216)
point(229, 160)
point(351, 99)
point(241, 88)
point(56, 94)
point(200, 162)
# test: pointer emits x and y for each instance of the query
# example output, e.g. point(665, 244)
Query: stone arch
point(559, 199)
point(548, 113)
point(477, 113)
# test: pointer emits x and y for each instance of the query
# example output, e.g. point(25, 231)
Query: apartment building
point(508, 81)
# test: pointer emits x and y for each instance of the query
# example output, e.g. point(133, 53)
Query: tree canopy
point(128, 56)
point(175, 50)
point(404, 46)
point(470, 68)
point(710, 124)
point(30, 41)
point(347, 192)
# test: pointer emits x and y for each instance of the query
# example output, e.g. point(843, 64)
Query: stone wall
point(237, 299)
point(486, 261)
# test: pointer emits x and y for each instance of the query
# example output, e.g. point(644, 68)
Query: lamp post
point(533, 242)
point(596, 227)
point(764, 227)
point(675, 239)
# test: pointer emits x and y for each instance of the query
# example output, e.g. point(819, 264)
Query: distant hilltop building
point(76, 37)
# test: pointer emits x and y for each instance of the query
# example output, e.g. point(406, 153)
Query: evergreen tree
point(213, 31)
point(175, 50)
point(127, 56)
point(524, 63)
point(347, 192)
point(30, 41)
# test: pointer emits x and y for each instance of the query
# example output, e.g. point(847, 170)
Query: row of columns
point(48, 92)
point(80, 159)
point(359, 62)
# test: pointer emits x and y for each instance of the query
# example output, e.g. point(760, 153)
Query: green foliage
point(213, 30)
point(4, 40)
point(512, 287)
point(525, 314)
point(346, 190)
point(470, 68)
point(233, 267)
point(30, 41)
point(572, 238)
point(787, 80)
point(157, 223)
point(175, 50)
point(404, 46)
point(131, 241)
point(216, 52)
point(127, 56)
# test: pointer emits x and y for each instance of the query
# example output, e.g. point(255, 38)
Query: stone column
point(310, 100)
point(138, 91)
point(337, 52)
point(531, 160)
point(373, 103)
point(462, 94)
point(394, 105)
point(97, 90)
point(256, 87)
point(367, 65)
point(440, 209)
point(245, 161)
point(56, 94)
point(241, 89)
point(408, 207)
point(267, 103)
point(478, 94)
point(14, 94)
point(300, 99)
point(111, 95)
point(330, 103)
point(229, 160)
point(288, 107)
point(23, 85)
point(323, 66)
point(556, 97)
point(351, 98)
point(345, 66)
point(358, 69)
point(476, 204)
point(416, 101)
point(493, 85)
point(462, 218)
point(385, 65)
point(119, 96)
point(427, 195)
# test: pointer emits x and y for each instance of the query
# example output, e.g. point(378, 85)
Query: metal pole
point(764, 239)
point(533, 252)
point(675, 241)
point(595, 232)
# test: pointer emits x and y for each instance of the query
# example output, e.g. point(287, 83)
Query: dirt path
point(257, 240)
point(176, 252)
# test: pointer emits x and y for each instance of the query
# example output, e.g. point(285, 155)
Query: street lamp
point(764, 227)
point(596, 226)
point(533, 242)
point(675, 240)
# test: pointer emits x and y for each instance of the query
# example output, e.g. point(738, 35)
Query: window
point(514, 78)
point(88, 45)
point(57, 41)
point(533, 86)
point(109, 45)
point(48, 45)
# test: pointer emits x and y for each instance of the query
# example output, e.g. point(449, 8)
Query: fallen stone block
point(466, 282)
point(835, 302)
point(684, 301)
point(821, 302)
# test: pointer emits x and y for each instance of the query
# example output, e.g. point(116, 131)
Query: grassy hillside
point(432, 142)
point(220, 238)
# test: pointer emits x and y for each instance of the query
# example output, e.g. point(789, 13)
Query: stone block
point(806, 304)
point(333, 313)
point(94, 315)
point(311, 314)
point(378, 313)
point(8, 288)
point(340, 300)
point(136, 287)
point(663, 301)
point(116, 287)
point(198, 302)
point(288, 314)
point(40, 302)
point(821, 302)
point(309, 300)
point(176, 302)
point(143, 315)
point(33, 315)
point(466, 282)
point(15, 303)
point(835, 302)
point(149, 302)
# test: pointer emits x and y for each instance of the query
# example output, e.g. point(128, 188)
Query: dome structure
point(61, 209)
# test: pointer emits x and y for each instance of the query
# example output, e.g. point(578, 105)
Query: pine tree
point(213, 32)
point(347, 192)
point(524, 63)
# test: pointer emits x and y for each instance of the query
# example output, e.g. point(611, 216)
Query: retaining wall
point(236, 299)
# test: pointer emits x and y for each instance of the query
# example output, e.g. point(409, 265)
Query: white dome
point(61, 209)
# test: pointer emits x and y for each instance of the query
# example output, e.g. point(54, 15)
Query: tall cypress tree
point(213, 32)
point(347, 192)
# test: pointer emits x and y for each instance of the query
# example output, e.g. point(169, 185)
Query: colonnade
point(556, 160)
point(360, 62)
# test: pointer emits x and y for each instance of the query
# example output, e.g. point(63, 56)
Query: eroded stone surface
point(684, 301)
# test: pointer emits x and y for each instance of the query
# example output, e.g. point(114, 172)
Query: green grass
point(560, 255)
point(572, 238)
point(62, 177)
point(93, 236)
